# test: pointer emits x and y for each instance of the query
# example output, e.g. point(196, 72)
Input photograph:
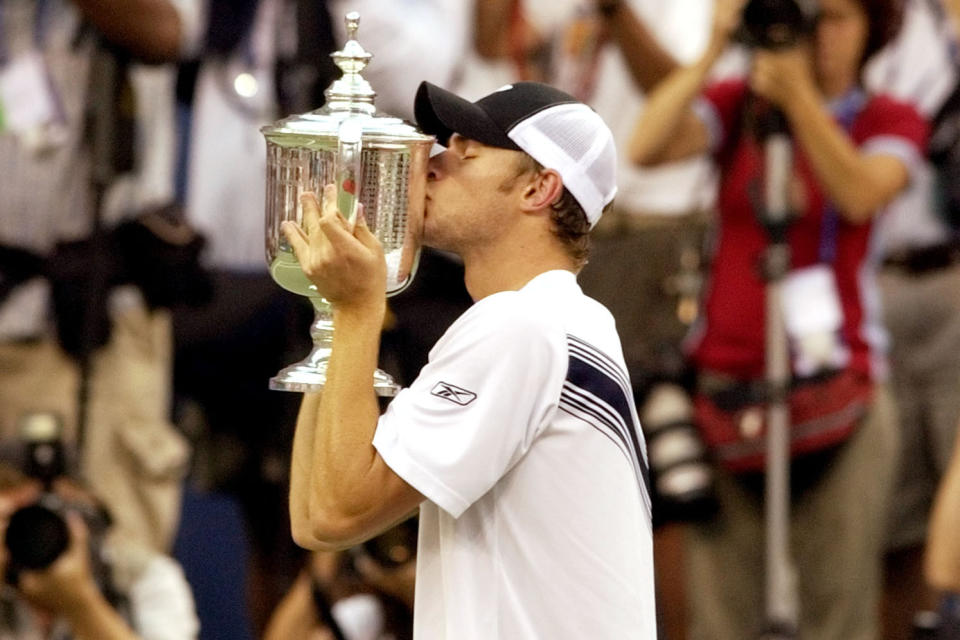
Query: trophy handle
point(348, 171)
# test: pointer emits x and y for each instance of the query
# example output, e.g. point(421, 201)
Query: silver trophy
point(374, 159)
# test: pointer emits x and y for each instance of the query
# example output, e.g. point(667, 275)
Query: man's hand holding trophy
point(344, 260)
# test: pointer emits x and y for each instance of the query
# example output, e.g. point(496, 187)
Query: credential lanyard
point(845, 110)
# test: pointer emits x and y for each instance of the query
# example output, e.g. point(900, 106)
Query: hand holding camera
point(46, 554)
point(65, 587)
point(726, 20)
point(51, 526)
point(53, 532)
point(783, 76)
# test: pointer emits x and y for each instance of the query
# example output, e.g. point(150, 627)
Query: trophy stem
point(310, 374)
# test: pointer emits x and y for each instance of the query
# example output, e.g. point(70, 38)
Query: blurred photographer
point(849, 155)
point(364, 593)
point(67, 574)
point(75, 337)
point(920, 291)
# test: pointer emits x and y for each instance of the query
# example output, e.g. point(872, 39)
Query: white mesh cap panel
point(574, 141)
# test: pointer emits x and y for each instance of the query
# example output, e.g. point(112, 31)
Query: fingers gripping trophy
point(378, 164)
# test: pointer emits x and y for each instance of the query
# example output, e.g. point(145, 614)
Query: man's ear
point(543, 190)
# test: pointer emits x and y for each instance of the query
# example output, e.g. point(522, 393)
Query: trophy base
point(310, 377)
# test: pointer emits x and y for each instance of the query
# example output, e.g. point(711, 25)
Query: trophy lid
point(349, 96)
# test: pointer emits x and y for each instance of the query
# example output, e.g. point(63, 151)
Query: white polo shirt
point(522, 434)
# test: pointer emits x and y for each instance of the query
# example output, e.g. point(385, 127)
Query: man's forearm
point(942, 562)
point(860, 185)
point(492, 20)
point(301, 465)
point(343, 452)
point(97, 620)
point(953, 14)
point(149, 29)
point(333, 450)
point(649, 63)
point(668, 130)
point(295, 616)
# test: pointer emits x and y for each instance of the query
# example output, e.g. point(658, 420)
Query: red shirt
point(730, 339)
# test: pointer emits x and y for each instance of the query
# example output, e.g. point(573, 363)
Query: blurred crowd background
point(139, 324)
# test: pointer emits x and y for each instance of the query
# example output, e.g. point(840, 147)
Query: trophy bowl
point(375, 160)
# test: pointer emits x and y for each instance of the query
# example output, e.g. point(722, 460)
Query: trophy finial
point(353, 23)
point(351, 92)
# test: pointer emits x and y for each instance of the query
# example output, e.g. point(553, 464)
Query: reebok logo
point(453, 393)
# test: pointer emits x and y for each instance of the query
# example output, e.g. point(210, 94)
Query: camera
point(776, 24)
point(37, 534)
point(395, 546)
point(154, 251)
point(680, 471)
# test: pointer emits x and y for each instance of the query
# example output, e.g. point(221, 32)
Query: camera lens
point(680, 471)
point(36, 536)
point(394, 546)
point(772, 24)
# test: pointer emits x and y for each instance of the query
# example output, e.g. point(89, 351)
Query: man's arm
point(668, 130)
point(953, 14)
point(149, 29)
point(942, 561)
point(649, 63)
point(342, 491)
point(492, 20)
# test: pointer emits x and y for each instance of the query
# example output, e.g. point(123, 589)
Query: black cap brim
point(442, 113)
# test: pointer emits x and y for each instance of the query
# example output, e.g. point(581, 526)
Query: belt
point(732, 394)
point(925, 259)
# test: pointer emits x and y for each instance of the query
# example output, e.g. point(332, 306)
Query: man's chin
point(433, 242)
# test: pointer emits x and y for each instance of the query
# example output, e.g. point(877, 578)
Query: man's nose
point(435, 166)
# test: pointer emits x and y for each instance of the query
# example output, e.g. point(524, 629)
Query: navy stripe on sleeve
point(597, 391)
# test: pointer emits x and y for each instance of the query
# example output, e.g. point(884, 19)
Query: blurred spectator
point(365, 593)
point(71, 340)
point(68, 571)
point(920, 290)
point(853, 153)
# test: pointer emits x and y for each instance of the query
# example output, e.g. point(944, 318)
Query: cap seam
point(531, 114)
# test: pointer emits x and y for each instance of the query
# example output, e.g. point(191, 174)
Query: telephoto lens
point(36, 536)
point(681, 473)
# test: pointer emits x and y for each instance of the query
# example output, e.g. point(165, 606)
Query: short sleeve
point(491, 384)
point(718, 107)
point(888, 126)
